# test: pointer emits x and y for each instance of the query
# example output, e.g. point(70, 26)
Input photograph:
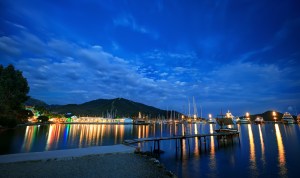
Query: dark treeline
point(13, 94)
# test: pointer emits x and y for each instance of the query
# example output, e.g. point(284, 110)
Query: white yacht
point(287, 118)
point(211, 121)
point(245, 120)
point(236, 120)
point(259, 120)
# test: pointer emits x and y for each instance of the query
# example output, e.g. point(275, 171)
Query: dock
point(180, 138)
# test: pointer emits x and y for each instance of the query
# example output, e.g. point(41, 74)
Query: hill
point(35, 102)
point(268, 116)
point(118, 107)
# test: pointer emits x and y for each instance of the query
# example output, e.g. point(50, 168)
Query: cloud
point(16, 25)
point(127, 20)
point(248, 85)
point(250, 55)
point(9, 46)
point(60, 71)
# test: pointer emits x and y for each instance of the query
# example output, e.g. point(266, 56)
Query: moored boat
point(226, 130)
point(211, 121)
point(244, 120)
point(225, 120)
point(259, 120)
point(236, 120)
point(287, 118)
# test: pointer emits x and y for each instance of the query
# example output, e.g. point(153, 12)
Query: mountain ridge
point(121, 107)
point(118, 107)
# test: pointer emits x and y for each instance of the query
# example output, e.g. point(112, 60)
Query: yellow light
point(274, 113)
point(247, 114)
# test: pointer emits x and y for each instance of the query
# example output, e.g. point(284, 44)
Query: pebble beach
point(125, 165)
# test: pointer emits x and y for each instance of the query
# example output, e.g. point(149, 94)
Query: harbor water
point(267, 150)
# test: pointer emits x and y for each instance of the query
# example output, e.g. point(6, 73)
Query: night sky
point(237, 55)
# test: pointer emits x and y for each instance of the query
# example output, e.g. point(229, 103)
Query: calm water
point(269, 150)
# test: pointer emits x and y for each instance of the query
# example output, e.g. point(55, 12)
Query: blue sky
point(239, 55)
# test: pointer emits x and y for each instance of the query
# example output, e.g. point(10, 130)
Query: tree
point(13, 94)
point(43, 118)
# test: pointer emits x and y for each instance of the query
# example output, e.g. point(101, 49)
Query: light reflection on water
point(262, 144)
point(264, 150)
point(76, 135)
point(252, 165)
point(29, 138)
point(212, 163)
point(281, 152)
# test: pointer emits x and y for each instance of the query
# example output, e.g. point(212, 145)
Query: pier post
point(176, 145)
point(200, 143)
point(181, 145)
point(158, 147)
point(205, 143)
point(188, 140)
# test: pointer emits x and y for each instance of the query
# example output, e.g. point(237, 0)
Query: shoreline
point(127, 165)
point(100, 161)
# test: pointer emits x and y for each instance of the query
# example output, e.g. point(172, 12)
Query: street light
point(274, 116)
point(247, 115)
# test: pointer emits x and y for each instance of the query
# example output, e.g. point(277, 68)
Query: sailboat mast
point(195, 108)
point(189, 114)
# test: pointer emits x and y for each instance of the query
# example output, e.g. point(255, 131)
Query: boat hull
point(288, 121)
point(226, 130)
point(244, 122)
point(259, 122)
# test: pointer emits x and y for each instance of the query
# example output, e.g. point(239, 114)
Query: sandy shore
point(102, 165)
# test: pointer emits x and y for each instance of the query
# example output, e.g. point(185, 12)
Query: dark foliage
point(43, 118)
point(13, 94)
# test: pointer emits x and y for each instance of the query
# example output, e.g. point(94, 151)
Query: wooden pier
point(180, 138)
